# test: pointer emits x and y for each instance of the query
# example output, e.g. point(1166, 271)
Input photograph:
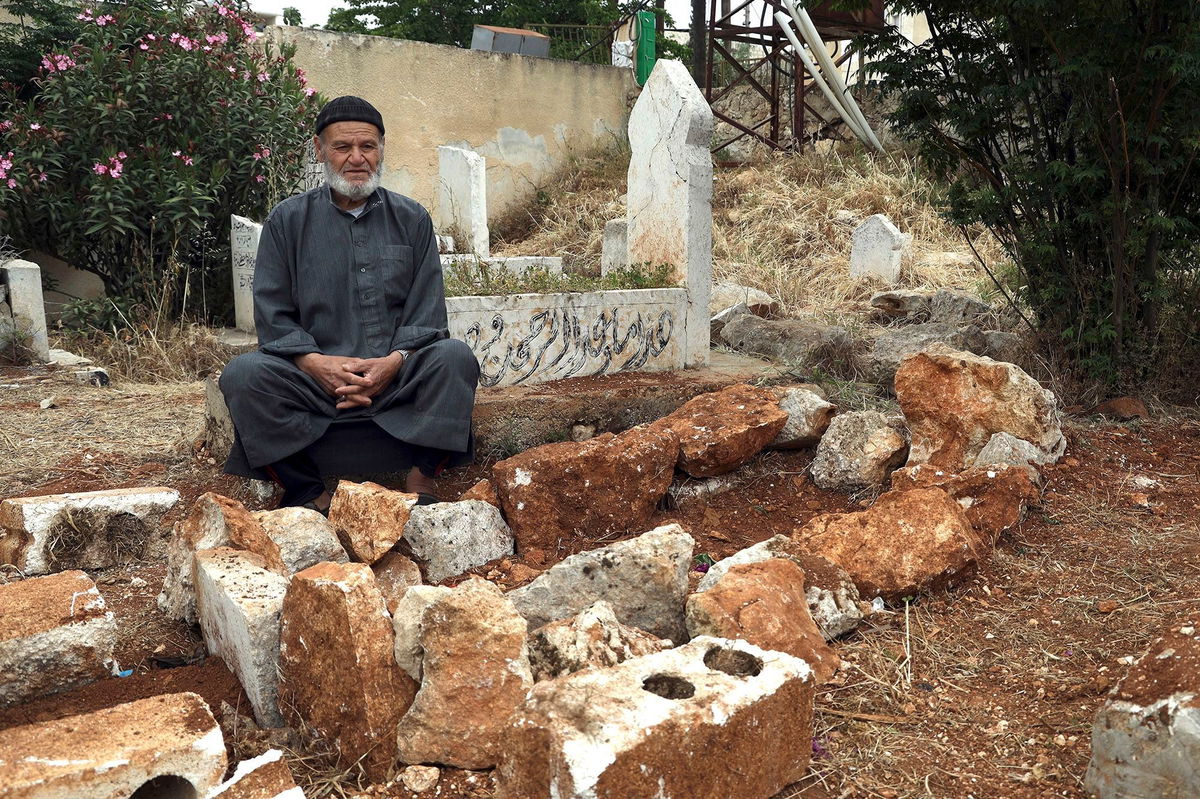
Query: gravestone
point(462, 198)
point(314, 170)
point(876, 248)
point(243, 240)
point(669, 204)
point(614, 246)
point(24, 281)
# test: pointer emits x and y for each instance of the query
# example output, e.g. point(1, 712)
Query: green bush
point(1072, 130)
point(143, 136)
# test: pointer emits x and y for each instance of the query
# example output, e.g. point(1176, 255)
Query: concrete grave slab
point(56, 633)
point(669, 200)
point(87, 530)
point(243, 240)
point(111, 753)
point(614, 246)
point(24, 281)
point(876, 249)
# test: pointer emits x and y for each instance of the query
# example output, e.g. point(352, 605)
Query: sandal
point(312, 505)
point(427, 499)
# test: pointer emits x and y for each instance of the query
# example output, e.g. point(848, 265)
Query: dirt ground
point(987, 690)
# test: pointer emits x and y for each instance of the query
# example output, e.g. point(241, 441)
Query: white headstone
point(614, 246)
point(24, 280)
point(463, 197)
point(243, 240)
point(670, 191)
point(314, 170)
point(876, 248)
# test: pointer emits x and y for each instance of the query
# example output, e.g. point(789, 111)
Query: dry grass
point(782, 225)
point(164, 353)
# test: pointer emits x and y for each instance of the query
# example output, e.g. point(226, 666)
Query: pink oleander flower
point(309, 91)
point(187, 159)
point(262, 77)
point(12, 184)
point(5, 125)
point(232, 70)
point(42, 177)
point(35, 126)
point(143, 46)
point(223, 11)
point(122, 155)
point(259, 178)
point(176, 153)
point(105, 19)
point(99, 169)
point(152, 37)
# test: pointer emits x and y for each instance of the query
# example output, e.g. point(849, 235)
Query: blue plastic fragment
point(125, 673)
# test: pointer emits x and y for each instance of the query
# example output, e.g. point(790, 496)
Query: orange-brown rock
point(763, 603)
point(906, 543)
point(721, 430)
point(578, 492)
point(56, 633)
point(474, 673)
point(483, 491)
point(995, 498)
point(368, 518)
point(336, 669)
point(954, 402)
point(394, 574)
point(113, 752)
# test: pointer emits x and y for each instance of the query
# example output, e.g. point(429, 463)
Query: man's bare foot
point(418, 483)
point(321, 503)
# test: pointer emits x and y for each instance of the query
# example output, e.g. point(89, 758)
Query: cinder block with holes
point(708, 720)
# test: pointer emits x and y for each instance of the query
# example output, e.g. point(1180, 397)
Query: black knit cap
point(348, 109)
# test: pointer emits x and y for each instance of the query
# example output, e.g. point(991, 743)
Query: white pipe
point(838, 108)
point(809, 31)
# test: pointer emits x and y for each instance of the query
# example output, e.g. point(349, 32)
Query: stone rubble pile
point(616, 669)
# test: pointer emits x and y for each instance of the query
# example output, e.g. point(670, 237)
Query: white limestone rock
point(726, 295)
point(859, 450)
point(304, 537)
point(451, 537)
point(592, 639)
point(406, 624)
point(644, 579)
point(809, 416)
point(238, 602)
point(1146, 737)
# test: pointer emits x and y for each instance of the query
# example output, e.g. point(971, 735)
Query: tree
point(452, 23)
point(291, 16)
point(1072, 130)
point(41, 26)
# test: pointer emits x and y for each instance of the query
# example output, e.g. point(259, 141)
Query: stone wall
point(525, 115)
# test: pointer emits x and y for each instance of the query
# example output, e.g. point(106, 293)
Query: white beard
point(350, 190)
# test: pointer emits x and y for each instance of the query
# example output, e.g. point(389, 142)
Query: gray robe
point(325, 281)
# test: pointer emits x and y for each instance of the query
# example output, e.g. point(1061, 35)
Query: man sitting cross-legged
point(355, 365)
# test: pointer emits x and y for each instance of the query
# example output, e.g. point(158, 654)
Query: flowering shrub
point(142, 138)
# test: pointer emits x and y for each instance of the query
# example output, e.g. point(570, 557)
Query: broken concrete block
point(809, 416)
point(171, 740)
point(831, 594)
point(56, 633)
point(214, 521)
point(89, 530)
point(566, 492)
point(876, 249)
point(721, 430)
point(406, 625)
point(1146, 737)
point(304, 537)
point(238, 602)
point(644, 579)
point(650, 727)
point(337, 673)
point(451, 537)
point(395, 574)
point(859, 450)
point(592, 639)
point(368, 518)
point(264, 777)
point(763, 603)
point(475, 672)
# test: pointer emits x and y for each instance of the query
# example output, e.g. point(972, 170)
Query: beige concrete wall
point(525, 115)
